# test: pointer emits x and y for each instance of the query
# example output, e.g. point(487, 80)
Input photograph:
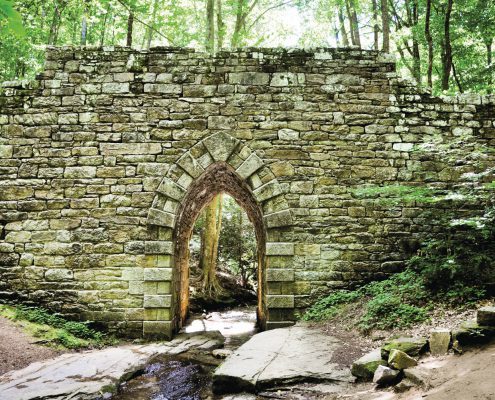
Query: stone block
point(439, 341)
point(158, 274)
point(249, 78)
point(189, 164)
point(157, 330)
point(171, 189)
point(278, 219)
point(59, 274)
point(220, 145)
point(279, 249)
point(158, 247)
point(160, 218)
point(6, 151)
point(249, 166)
point(268, 191)
point(280, 301)
point(279, 275)
point(157, 301)
point(80, 172)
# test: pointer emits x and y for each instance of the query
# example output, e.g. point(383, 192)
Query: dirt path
point(17, 349)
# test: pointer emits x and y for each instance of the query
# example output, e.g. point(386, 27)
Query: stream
point(188, 376)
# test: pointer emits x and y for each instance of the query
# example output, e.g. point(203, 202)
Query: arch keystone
point(221, 145)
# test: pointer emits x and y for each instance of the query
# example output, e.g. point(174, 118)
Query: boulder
point(365, 367)
point(403, 386)
point(470, 333)
point(399, 360)
point(281, 356)
point(486, 316)
point(385, 375)
point(411, 346)
point(439, 341)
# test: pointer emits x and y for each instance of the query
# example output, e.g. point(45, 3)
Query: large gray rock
point(470, 333)
point(365, 367)
point(90, 374)
point(385, 375)
point(280, 356)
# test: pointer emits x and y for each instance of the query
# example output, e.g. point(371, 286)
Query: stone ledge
point(278, 324)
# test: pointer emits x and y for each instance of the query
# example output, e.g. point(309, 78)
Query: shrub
point(327, 307)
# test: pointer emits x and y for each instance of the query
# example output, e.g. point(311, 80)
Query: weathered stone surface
point(385, 375)
point(411, 346)
point(486, 316)
point(439, 341)
point(297, 132)
point(399, 360)
point(470, 333)
point(94, 373)
point(365, 367)
point(267, 359)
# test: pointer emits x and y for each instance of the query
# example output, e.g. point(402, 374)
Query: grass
point(55, 331)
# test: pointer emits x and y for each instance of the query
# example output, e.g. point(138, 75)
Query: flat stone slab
point(278, 357)
point(92, 373)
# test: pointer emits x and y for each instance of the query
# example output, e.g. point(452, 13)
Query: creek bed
point(188, 376)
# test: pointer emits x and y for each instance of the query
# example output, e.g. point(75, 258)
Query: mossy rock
point(365, 367)
point(470, 333)
point(411, 346)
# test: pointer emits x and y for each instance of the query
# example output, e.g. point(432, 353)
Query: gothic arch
point(218, 163)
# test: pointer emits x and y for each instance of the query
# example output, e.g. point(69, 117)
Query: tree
point(385, 26)
point(447, 47)
point(429, 41)
point(11, 18)
point(209, 246)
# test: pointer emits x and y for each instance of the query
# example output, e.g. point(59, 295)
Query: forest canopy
point(444, 44)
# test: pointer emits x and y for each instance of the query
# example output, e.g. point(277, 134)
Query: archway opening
point(219, 178)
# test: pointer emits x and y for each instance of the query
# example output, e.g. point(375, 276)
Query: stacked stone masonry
point(100, 155)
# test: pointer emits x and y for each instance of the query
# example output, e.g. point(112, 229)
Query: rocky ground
point(300, 363)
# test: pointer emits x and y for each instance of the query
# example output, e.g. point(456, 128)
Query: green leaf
point(12, 18)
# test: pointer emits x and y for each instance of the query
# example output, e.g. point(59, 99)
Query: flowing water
point(184, 377)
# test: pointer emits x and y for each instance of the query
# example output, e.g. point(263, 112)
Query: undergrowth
point(54, 330)
point(450, 270)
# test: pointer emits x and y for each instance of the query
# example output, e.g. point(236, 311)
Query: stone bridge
point(108, 157)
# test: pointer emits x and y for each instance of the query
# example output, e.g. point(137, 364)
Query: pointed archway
point(218, 163)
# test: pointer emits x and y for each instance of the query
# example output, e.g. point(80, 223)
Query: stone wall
point(107, 158)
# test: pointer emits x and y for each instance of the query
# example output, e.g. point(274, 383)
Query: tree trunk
point(345, 38)
point(84, 30)
point(354, 23)
point(385, 27)
point(55, 24)
point(239, 18)
point(415, 46)
point(209, 246)
point(130, 26)
point(376, 28)
point(220, 26)
point(149, 32)
point(489, 61)
point(447, 53)
point(429, 40)
point(104, 27)
point(210, 26)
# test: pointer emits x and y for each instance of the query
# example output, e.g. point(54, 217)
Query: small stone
point(366, 366)
point(417, 376)
point(486, 316)
point(400, 360)
point(403, 386)
point(439, 341)
point(385, 375)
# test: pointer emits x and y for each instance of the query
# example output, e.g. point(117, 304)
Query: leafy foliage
point(10, 18)
point(41, 316)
